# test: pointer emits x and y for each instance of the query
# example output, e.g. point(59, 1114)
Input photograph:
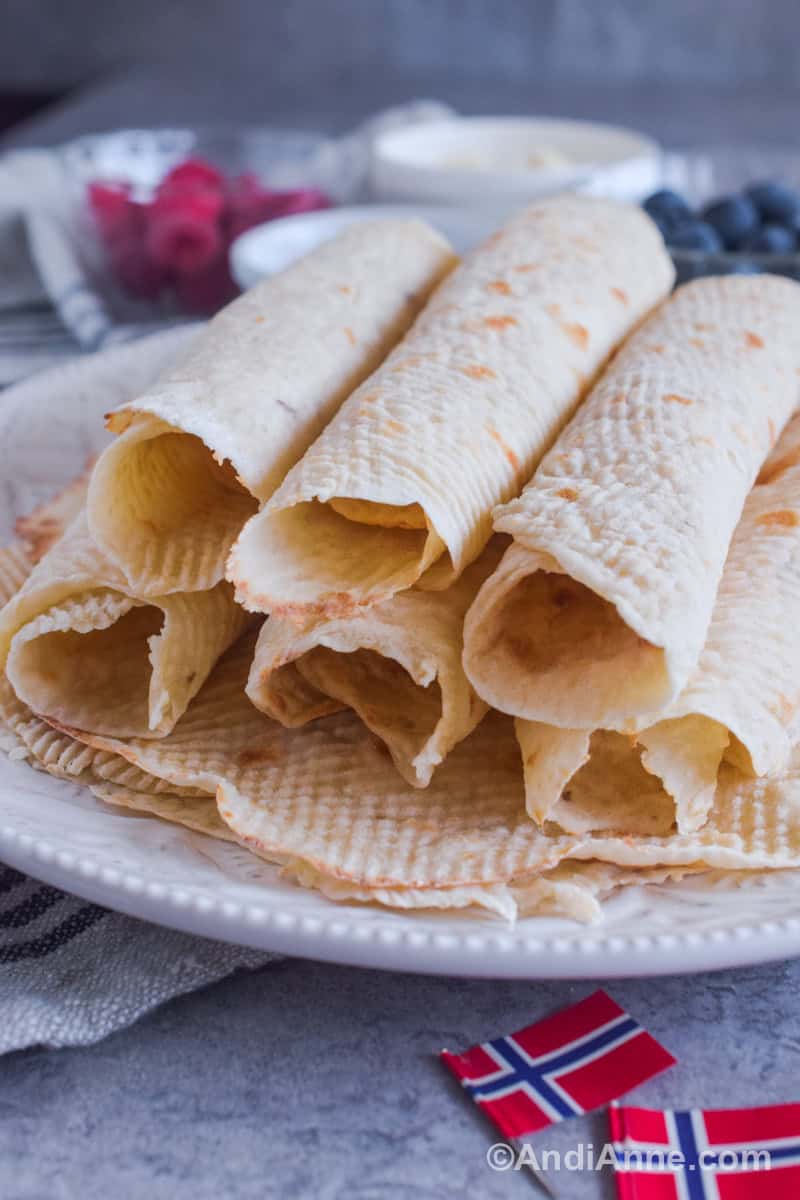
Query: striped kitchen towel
point(73, 972)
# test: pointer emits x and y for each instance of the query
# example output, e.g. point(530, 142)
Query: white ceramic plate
point(139, 865)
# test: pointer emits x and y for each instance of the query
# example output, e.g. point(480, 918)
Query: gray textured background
point(45, 41)
point(689, 70)
point(305, 1081)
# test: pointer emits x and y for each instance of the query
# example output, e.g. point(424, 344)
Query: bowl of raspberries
point(158, 210)
point(743, 232)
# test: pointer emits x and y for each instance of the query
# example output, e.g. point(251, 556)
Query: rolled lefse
point(217, 432)
point(81, 649)
point(598, 613)
point(742, 702)
point(400, 485)
point(396, 664)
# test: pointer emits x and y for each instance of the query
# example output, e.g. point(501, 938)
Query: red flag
point(577, 1060)
point(707, 1154)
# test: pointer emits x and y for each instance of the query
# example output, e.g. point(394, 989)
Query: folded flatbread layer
point(325, 799)
point(220, 428)
point(456, 418)
point(569, 889)
point(396, 664)
point(599, 610)
point(79, 647)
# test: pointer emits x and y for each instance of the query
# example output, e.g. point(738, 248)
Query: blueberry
point(734, 218)
point(769, 239)
point(775, 202)
point(696, 235)
point(667, 208)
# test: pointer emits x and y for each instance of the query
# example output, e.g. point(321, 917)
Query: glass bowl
point(703, 176)
point(135, 162)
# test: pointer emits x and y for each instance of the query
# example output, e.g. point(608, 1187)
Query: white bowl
point(468, 160)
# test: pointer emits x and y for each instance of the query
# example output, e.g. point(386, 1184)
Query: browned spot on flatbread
point(567, 493)
point(783, 518)
point(409, 362)
point(393, 426)
point(619, 294)
point(351, 337)
point(619, 398)
point(478, 371)
point(753, 340)
point(500, 322)
point(253, 756)
point(698, 343)
point(674, 398)
point(500, 286)
point(786, 708)
point(772, 431)
point(45, 525)
point(524, 268)
point(771, 470)
point(259, 320)
point(578, 333)
point(509, 453)
point(345, 289)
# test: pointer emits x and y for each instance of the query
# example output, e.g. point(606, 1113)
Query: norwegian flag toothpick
point(577, 1060)
point(707, 1154)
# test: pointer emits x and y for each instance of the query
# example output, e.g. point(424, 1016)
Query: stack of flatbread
point(442, 584)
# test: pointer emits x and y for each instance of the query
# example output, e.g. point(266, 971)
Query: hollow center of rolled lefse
point(313, 558)
point(167, 511)
point(97, 681)
point(402, 712)
point(613, 792)
point(563, 655)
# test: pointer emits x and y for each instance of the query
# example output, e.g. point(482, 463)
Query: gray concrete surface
point(313, 1082)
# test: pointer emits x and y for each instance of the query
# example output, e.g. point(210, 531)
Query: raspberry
point(180, 242)
point(136, 272)
point(249, 203)
point(193, 173)
point(203, 292)
point(196, 204)
point(116, 215)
